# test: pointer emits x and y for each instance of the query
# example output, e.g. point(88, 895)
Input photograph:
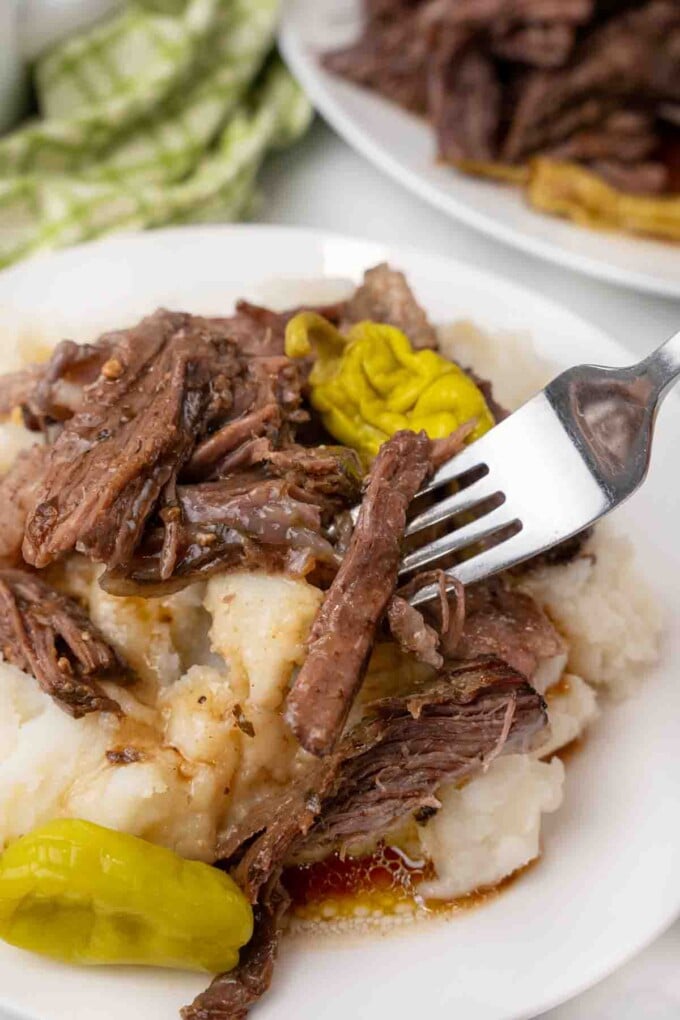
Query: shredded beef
point(538, 45)
point(116, 463)
point(266, 407)
point(18, 489)
point(260, 332)
point(412, 633)
point(274, 515)
point(51, 637)
point(644, 178)
point(385, 296)
point(390, 765)
point(465, 104)
point(218, 529)
point(390, 58)
point(118, 454)
point(393, 761)
point(134, 419)
point(504, 622)
point(503, 80)
point(231, 995)
point(344, 630)
point(629, 59)
point(58, 393)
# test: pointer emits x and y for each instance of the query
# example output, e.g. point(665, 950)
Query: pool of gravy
point(374, 890)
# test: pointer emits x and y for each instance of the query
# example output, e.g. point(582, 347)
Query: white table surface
point(323, 183)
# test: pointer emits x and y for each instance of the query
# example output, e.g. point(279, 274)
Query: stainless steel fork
point(566, 458)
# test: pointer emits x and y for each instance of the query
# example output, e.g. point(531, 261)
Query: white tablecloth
point(323, 183)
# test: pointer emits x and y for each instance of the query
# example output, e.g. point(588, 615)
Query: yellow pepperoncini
point(371, 383)
point(84, 894)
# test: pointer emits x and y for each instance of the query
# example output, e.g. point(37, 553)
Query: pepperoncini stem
point(372, 383)
point(84, 894)
point(310, 333)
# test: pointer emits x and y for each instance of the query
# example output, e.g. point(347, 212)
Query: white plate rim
point(318, 86)
point(362, 252)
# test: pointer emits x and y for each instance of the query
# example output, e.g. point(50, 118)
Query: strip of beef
point(120, 454)
point(394, 761)
point(391, 764)
point(344, 630)
point(381, 10)
point(18, 489)
point(231, 995)
point(504, 622)
point(274, 516)
point(627, 138)
point(391, 57)
point(51, 637)
point(385, 296)
point(465, 102)
point(411, 632)
point(630, 58)
point(328, 476)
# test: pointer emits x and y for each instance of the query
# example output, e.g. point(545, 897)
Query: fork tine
point(466, 499)
point(459, 465)
point(477, 530)
point(481, 565)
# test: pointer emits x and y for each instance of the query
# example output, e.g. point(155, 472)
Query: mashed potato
point(203, 739)
point(507, 359)
point(204, 742)
point(605, 610)
point(490, 827)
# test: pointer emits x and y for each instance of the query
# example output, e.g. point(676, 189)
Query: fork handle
point(662, 368)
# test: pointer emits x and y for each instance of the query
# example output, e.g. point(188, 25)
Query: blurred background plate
point(607, 882)
point(403, 146)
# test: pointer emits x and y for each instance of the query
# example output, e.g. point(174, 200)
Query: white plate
point(608, 881)
point(403, 146)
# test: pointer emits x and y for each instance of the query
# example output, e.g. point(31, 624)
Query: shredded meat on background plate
point(502, 81)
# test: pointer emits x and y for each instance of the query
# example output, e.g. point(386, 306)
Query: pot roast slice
point(18, 489)
point(385, 296)
point(117, 455)
point(48, 635)
point(344, 630)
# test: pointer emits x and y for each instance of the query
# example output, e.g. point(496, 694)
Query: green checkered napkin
point(161, 115)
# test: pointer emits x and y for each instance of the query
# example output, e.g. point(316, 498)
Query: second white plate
point(403, 146)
